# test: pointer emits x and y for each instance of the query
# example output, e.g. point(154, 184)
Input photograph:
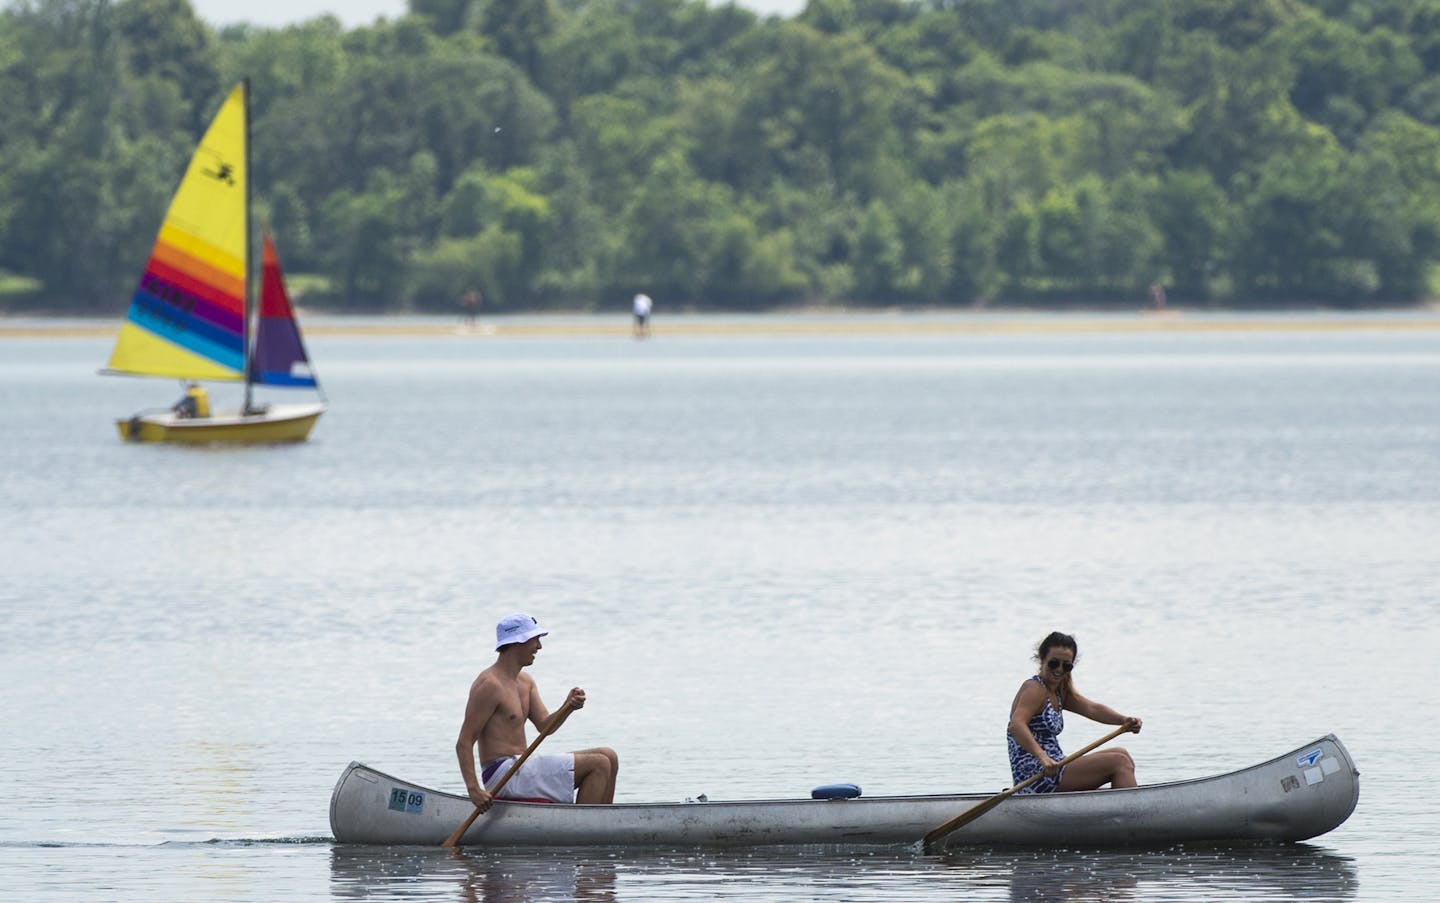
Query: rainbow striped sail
point(187, 318)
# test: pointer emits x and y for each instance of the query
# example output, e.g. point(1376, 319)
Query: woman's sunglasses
point(1056, 663)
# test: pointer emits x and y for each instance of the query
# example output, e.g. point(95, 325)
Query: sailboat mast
point(249, 257)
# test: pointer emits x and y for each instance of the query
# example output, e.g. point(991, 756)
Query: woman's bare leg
point(1094, 770)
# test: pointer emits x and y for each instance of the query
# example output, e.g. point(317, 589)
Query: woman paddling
point(1037, 717)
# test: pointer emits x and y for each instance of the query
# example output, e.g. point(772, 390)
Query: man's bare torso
point(504, 732)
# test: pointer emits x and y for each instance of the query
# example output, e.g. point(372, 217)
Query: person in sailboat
point(194, 403)
point(502, 698)
point(1037, 717)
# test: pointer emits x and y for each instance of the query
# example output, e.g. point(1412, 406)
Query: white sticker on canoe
point(1313, 776)
point(1310, 758)
point(1329, 764)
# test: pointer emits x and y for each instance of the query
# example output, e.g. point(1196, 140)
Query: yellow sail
point(187, 316)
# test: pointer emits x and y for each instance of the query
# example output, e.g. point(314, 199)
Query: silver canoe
point(1299, 795)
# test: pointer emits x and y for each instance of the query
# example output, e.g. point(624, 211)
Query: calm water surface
point(772, 562)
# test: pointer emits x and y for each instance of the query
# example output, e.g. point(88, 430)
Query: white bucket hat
point(517, 628)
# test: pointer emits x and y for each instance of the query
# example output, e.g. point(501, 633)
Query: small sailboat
point(193, 316)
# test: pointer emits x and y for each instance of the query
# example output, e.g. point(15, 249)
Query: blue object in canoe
point(835, 792)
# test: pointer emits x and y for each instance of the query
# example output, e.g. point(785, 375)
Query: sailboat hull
point(277, 423)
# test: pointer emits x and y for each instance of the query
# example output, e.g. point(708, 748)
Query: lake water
point(775, 552)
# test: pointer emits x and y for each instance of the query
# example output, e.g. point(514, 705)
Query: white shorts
point(549, 779)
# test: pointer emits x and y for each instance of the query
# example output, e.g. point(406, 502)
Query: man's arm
point(540, 716)
point(535, 707)
point(478, 711)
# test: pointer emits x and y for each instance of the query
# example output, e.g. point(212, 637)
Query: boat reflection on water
point(1278, 873)
point(1295, 872)
point(470, 876)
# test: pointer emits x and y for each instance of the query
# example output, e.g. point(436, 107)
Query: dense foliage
point(565, 153)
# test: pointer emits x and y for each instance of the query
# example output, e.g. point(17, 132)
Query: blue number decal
point(402, 800)
point(397, 799)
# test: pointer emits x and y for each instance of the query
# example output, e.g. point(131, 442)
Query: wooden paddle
point(547, 730)
point(979, 809)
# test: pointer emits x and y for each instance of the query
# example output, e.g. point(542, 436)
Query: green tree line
point(566, 153)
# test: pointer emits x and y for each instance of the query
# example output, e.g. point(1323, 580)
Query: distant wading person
point(1037, 717)
point(642, 306)
point(1157, 295)
point(471, 302)
point(502, 699)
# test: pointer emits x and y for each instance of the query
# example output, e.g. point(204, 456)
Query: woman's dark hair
point(1056, 639)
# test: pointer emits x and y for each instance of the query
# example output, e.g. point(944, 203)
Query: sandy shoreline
point(581, 326)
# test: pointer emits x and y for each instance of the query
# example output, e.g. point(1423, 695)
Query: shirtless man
point(502, 699)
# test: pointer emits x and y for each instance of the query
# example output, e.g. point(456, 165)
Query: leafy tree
point(1335, 62)
point(566, 152)
point(1019, 248)
point(445, 16)
point(620, 143)
point(164, 39)
point(488, 260)
point(519, 29)
point(664, 242)
point(1392, 194)
point(972, 239)
point(1238, 111)
point(589, 52)
point(70, 163)
point(1193, 216)
point(576, 231)
point(482, 200)
point(879, 259)
point(366, 255)
point(285, 66)
point(822, 99)
point(1238, 24)
point(1289, 247)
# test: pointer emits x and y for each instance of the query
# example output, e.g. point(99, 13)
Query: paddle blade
point(459, 832)
point(963, 819)
point(980, 809)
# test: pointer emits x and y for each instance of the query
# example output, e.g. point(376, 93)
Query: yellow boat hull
point(277, 423)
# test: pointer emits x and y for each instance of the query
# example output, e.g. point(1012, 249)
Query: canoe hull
point(1293, 797)
point(277, 423)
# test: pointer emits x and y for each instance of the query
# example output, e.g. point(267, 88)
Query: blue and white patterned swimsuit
point(1046, 727)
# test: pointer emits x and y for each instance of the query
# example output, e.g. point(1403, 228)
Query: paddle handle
point(547, 730)
point(981, 808)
